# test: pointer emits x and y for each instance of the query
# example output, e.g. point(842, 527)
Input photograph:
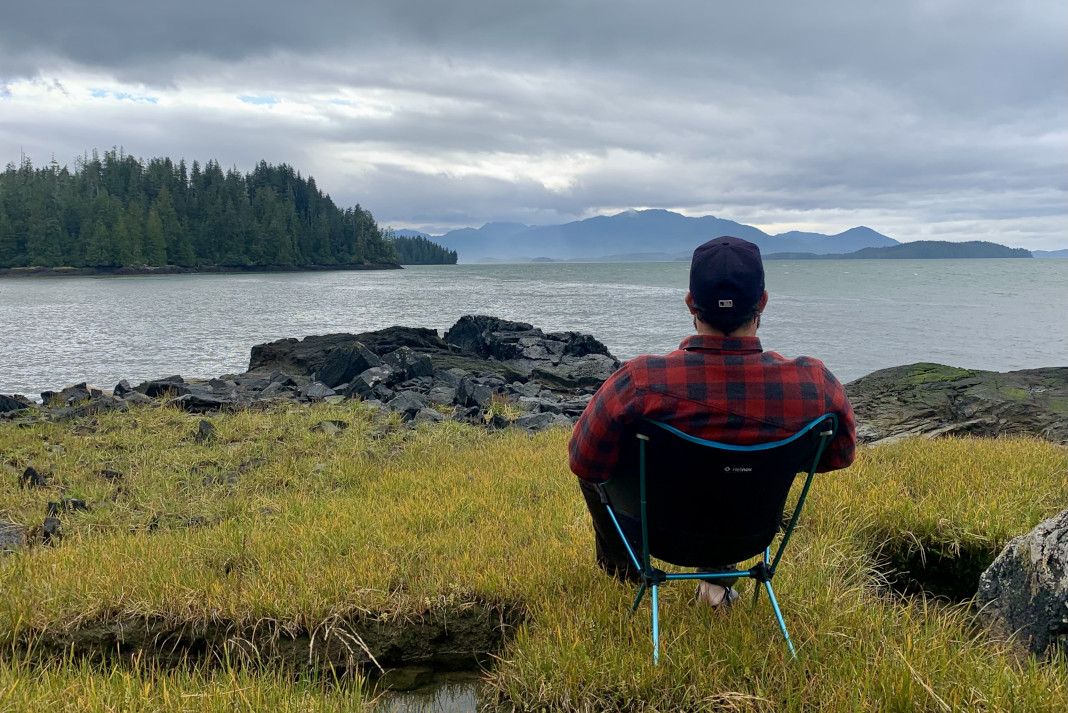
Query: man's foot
point(715, 596)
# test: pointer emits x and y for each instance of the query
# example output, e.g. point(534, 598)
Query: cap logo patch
point(726, 303)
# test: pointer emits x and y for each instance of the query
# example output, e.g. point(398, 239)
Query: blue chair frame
point(755, 501)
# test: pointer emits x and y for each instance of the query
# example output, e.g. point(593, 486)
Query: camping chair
point(692, 502)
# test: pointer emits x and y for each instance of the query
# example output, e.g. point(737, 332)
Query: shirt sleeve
point(842, 449)
point(595, 442)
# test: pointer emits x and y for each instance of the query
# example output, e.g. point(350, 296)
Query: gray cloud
point(933, 117)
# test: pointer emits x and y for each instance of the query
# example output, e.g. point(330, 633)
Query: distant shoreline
point(141, 270)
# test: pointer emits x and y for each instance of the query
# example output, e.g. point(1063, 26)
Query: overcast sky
point(923, 119)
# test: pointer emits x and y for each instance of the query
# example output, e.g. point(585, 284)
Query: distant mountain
point(919, 250)
point(636, 232)
point(1049, 253)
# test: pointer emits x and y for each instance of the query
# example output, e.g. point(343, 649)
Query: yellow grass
point(385, 523)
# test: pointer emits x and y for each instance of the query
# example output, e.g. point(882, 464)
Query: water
point(856, 315)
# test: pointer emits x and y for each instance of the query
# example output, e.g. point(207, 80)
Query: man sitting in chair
point(720, 385)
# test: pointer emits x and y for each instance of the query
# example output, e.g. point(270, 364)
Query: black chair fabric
point(707, 504)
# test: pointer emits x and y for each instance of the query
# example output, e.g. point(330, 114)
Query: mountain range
point(635, 235)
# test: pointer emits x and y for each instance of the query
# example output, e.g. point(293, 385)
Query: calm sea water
point(858, 316)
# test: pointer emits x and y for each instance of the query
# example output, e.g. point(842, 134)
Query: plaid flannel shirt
point(724, 389)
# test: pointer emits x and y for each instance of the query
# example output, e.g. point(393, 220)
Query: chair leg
point(778, 615)
point(656, 627)
point(638, 599)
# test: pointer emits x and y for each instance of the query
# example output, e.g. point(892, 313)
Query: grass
point(381, 528)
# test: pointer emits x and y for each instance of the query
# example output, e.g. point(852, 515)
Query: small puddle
point(430, 691)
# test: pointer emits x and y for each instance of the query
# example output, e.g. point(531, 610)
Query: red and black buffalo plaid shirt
point(725, 389)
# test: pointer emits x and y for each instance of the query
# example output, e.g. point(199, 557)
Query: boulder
point(1024, 593)
point(364, 385)
point(206, 432)
point(573, 373)
point(935, 400)
point(68, 396)
point(471, 393)
point(316, 391)
point(343, 363)
point(306, 356)
point(168, 386)
point(408, 404)
point(15, 402)
point(30, 478)
point(408, 364)
point(202, 402)
point(541, 421)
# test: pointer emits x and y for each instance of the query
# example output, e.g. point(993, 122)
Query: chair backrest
point(710, 503)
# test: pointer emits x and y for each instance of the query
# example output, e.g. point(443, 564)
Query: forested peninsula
point(115, 213)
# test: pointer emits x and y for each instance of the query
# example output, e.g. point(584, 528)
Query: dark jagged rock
point(407, 404)
point(109, 475)
point(68, 396)
point(122, 388)
point(15, 402)
point(202, 402)
point(51, 531)
point(316, 391)
point(169, 386)
point(408, 364)
point(30, 478)
point(343, 363)
point(935, 400)
point(472, 393)
point(541, 421)
point(365, 384)
point(1024, 593)
point(206, 432)
point(306, 356)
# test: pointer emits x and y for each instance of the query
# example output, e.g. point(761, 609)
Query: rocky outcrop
point(935, 400)
point(541, 380)
point(1024, 594)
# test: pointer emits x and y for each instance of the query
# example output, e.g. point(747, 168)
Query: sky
point(922, 119)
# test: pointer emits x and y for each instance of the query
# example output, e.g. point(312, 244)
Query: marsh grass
point(385, 523)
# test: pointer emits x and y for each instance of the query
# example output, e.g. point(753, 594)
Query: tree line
point(417, 250)
point(116, 210)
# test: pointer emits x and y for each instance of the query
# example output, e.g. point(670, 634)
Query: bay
point(856, 315)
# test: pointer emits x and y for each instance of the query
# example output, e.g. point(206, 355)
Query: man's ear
point(763, 302)
point(689, 303)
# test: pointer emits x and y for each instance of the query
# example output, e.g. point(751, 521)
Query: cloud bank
point(932, 119)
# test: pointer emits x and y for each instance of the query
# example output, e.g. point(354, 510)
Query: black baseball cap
point(726, 277)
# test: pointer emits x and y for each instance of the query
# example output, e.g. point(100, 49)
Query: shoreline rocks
point(933, 400)
point(483, 365)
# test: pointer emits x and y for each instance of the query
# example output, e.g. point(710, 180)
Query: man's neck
point(748, 329)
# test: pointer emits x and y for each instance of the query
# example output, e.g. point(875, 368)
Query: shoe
point(715, 596)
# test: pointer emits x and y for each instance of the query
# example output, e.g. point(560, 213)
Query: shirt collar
point(708, 342)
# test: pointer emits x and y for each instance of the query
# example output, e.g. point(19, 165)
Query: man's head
point(726, 284)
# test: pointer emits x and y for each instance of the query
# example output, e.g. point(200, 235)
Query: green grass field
point(245, 572)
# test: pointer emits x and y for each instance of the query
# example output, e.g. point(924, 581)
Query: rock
point(30, 478)
point(206, 432)
point(12, 537)
point(109, 475)
point(428, 415)
point(1024, 593)
point(67, 505)
point(449, 377)
point(122, 388)
point(169, 386)
point(136, 397)
point(330, 427)
point(935, 400)
point(316, 391)
point(363, 385)
point(98, 404)
point(576, 372)
point(306, 356)
point(200, 403)
point(484, 335)
point(441, 395)
point(68, 396)
point(407, 364)
point(273, 390)
point(341, 364)
point(470, 393)
point(407, 404)
point(51, 531)
point(497, 421)
point(252, 463)
point(15, 402)
point(540, 421)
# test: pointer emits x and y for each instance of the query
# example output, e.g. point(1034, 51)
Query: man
point(720, 385)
